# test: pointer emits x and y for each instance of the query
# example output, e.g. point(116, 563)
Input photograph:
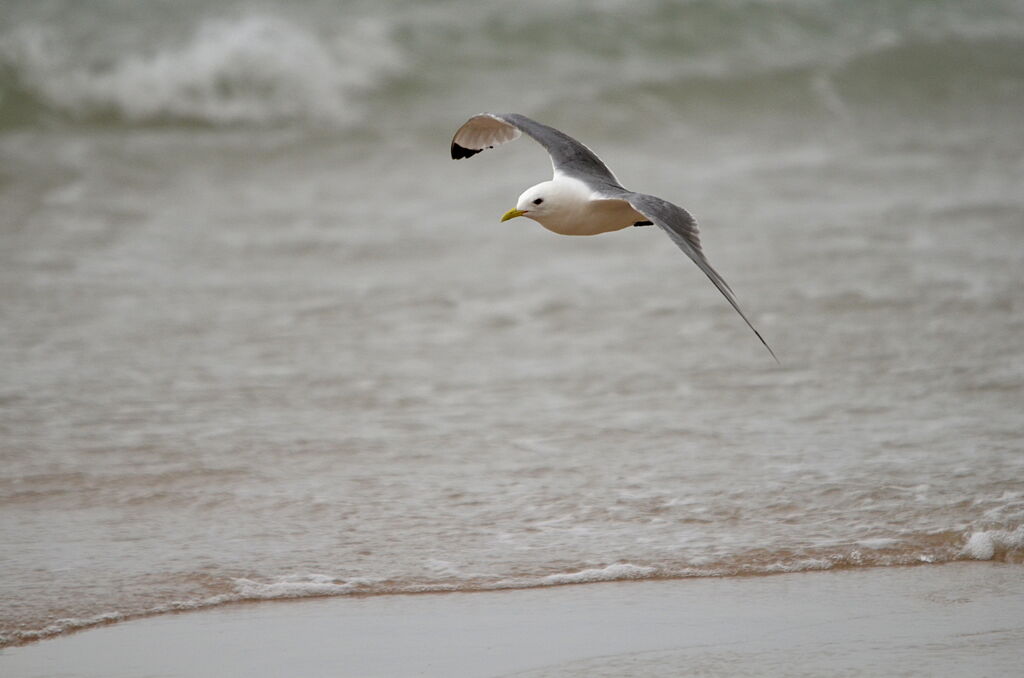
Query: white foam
point(299, 586)
point(612, 572)
point(989, 544)
point(803, 565)
point(256, 69)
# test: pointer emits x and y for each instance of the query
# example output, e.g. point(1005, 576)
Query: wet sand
point(962, 619)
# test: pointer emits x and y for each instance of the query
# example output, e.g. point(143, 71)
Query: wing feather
point(568, 156)
point(682, 229)
point(480, 132)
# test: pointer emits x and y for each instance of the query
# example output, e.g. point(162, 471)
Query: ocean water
point(261, 338)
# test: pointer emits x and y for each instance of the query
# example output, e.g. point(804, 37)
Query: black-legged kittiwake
point(584, 197)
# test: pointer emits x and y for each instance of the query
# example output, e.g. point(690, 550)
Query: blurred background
point(260, 337)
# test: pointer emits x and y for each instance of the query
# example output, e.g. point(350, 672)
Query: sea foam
point(298, 587)
point(614, 572)
point(257, 69)
point(994, 544)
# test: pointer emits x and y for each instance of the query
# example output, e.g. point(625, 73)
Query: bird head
point(535, 203)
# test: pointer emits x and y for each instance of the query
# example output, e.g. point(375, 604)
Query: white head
point(535, 202)
point(550, 202)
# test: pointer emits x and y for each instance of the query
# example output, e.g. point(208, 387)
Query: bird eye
point(538, 201)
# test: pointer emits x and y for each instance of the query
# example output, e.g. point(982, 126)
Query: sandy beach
point(962, 619)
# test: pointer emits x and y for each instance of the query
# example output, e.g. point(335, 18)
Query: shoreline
point(964, 618)
point(70, 626)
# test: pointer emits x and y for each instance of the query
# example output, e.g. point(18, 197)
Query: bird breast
point(580, 212)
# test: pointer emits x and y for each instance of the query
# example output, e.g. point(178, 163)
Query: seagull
point(584, 197)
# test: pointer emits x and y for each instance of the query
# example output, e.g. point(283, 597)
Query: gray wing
point(568, 156)
point(681, 227)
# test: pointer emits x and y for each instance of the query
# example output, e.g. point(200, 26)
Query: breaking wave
point(259, 69)
point(289, 66)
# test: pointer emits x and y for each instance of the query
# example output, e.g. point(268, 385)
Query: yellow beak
point(512, 214)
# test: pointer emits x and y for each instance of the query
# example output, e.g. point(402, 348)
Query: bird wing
point(568, 156)
point(572, 158)
point(682, 229)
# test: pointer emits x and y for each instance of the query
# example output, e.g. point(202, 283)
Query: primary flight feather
point(584, 197)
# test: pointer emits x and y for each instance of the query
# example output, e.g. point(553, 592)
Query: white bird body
point(571, 207)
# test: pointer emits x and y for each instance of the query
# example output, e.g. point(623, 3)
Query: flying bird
point(584, 197)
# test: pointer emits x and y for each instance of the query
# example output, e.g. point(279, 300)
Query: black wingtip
point(774, 357)
point(460, 152)
point(751, 326)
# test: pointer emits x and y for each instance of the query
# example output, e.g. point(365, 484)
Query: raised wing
point(480, 132)
point(568, 156)
point(682, 229)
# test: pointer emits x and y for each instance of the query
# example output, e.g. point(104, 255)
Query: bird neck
point(567, 198)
